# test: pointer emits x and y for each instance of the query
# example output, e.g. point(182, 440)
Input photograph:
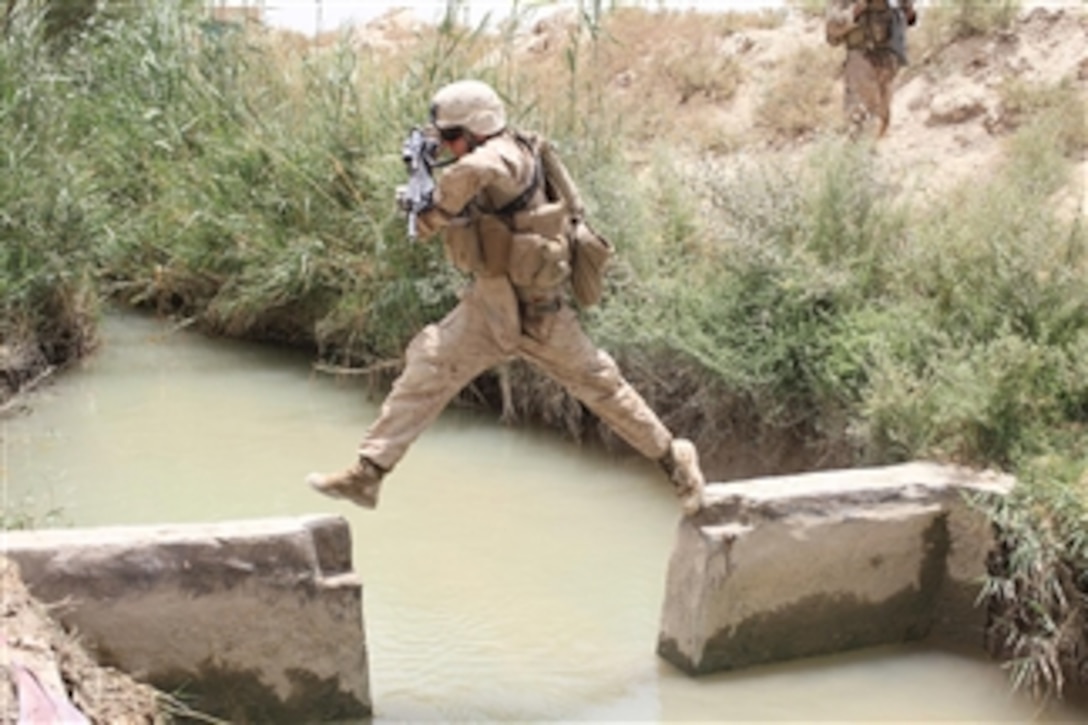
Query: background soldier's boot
point(681, 463)
point(358, 483)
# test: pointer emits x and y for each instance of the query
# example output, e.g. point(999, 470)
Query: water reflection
point(508, 574)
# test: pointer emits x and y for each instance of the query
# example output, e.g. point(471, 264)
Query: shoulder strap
point(556, 174)
point(522, 200)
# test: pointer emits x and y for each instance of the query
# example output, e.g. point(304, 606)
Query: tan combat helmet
point(471, 105)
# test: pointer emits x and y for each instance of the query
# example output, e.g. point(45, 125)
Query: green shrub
point(800, 99)
point(1035, 587)
point(48, 214)
point(949, 20)
point(1057, 113)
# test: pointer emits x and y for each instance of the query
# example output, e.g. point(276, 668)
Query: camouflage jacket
point(879, 27)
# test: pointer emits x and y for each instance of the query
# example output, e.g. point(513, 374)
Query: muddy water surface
point(508, 574)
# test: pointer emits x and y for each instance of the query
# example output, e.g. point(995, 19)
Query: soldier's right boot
point(359, 483)
point(681, 463)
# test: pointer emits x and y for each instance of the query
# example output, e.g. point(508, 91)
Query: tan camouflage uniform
point(871, 66)
point(509, 215)
point(509, 310)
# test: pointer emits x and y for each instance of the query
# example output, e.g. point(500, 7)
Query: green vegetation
point(25, 514)
point(1056, 111)
point(943, 22)
point(245, 183)
point(800, 102)
point(955, 19)
point(48, 217)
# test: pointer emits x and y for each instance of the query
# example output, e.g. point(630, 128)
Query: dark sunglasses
point(449, 135)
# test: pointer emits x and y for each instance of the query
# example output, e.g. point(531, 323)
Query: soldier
point(502, 222)
point(874, 34)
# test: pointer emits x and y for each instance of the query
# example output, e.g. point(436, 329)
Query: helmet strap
point(475, 141)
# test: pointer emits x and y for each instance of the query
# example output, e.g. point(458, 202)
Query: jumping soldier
point(875, 38)
point(511, 217)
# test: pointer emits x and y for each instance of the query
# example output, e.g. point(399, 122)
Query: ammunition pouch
point(537, 261)
point(495, 245)
point(479, 245)
point(549, 220)
point(539, 251)
point(462, 244)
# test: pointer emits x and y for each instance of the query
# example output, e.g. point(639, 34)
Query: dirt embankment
point(772, 87)
point(46, 676)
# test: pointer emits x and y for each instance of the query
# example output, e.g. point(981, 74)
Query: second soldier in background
point(874, 33)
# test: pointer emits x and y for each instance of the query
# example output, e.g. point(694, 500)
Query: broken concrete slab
point(254, 621)
point(793, 566)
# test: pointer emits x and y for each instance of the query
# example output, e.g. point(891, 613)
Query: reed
point(48, 213)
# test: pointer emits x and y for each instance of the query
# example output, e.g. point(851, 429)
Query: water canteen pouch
point(590, 253)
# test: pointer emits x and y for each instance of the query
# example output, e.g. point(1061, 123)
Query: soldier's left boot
point(681, 463)
point(358, 483)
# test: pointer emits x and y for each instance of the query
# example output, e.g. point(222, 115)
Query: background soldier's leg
point(861, 96)
point(885, 74)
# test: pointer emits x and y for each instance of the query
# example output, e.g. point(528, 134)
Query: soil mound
point(46, 675)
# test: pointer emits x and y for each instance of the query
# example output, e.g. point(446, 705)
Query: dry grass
point(1061, 106)
point(664, 75)
point(801, 99)
point(944, 22)
point(694, 75)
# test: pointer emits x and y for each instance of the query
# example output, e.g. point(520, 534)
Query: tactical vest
point(874, 27)
point(538, 239)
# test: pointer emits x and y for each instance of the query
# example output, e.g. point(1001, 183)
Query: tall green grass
point(48, 215)
point(247, 190)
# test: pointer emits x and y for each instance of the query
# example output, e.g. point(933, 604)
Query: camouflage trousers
point(869, 78)
point(486, 328)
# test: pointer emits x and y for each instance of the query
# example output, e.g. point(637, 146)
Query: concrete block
point(252, 621)
point(794, 566)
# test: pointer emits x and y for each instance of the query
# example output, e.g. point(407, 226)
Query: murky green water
point(508, 574)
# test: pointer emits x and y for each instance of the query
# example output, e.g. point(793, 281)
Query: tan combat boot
point(681, 463)
point(359, 483)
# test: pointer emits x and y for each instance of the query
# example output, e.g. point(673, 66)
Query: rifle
point(898, 30)
point(419, 153)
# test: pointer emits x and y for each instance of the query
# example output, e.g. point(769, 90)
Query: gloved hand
point(400, 197)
